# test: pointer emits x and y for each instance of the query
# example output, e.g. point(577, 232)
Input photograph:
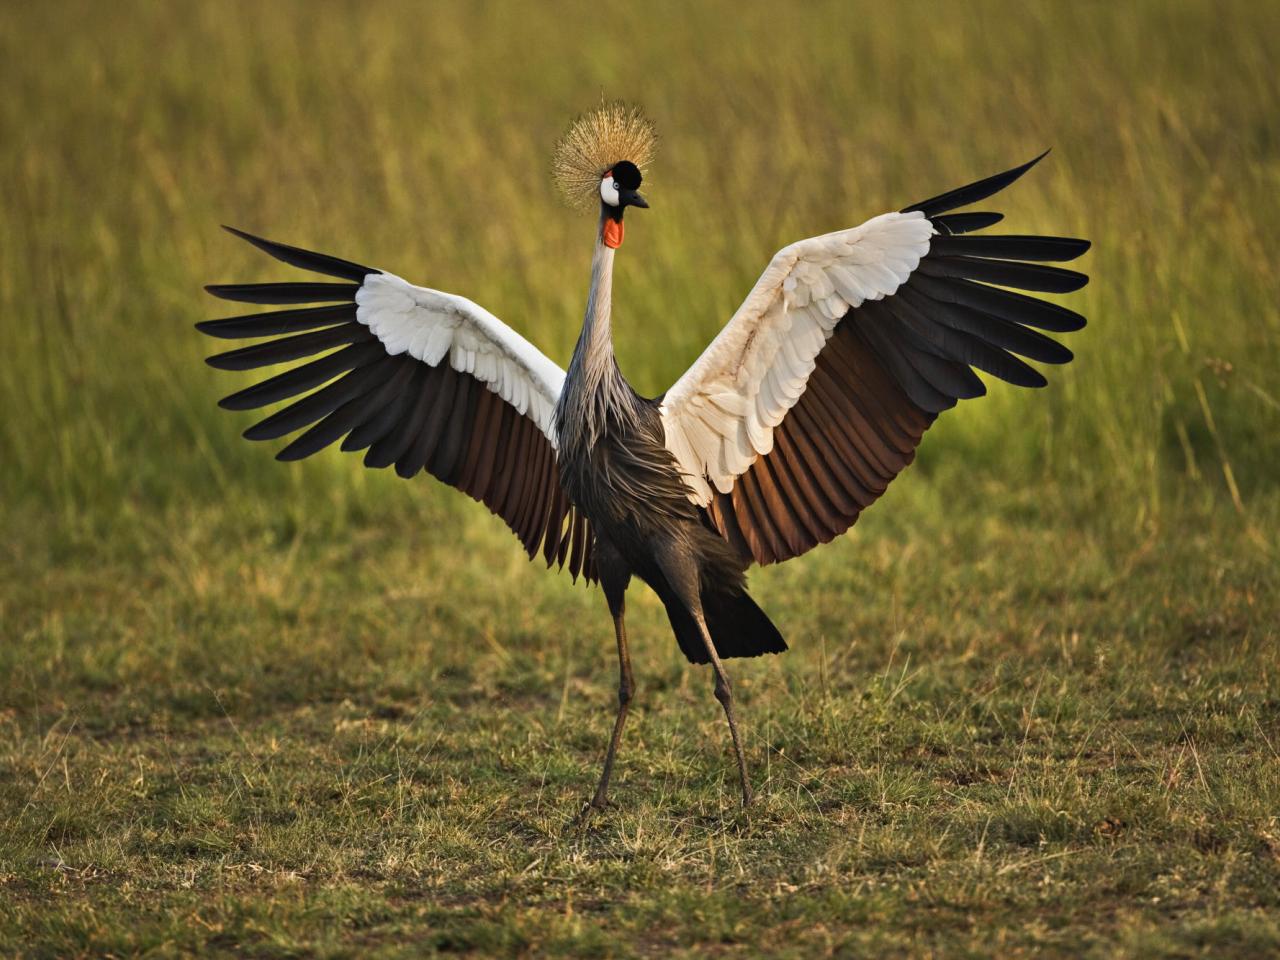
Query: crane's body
point(795, 418)
point(617, 469)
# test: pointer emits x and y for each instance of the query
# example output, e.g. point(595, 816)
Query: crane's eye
point(609, 191)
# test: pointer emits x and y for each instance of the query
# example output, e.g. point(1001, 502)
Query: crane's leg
point(626, 690)
point(614, 578)
point(724, 693)
point(678, 566)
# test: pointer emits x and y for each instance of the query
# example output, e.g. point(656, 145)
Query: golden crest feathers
point(594, 142)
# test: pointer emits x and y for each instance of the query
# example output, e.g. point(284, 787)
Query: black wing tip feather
point(1009, 246)
point(304, 259)
point(973, 192)
point(282, 293)
point(278, 323)
point(293, 292)
point(242, 234)
point(958, 224)
point(292, 453)
point(968, 273)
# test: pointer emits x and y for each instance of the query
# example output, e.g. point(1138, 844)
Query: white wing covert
point(720, 416)
point(416, 377)
point(816, 393)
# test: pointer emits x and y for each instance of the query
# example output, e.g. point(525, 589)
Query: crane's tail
point(739, 628)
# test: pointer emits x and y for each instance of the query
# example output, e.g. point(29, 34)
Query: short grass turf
point(1033, 703)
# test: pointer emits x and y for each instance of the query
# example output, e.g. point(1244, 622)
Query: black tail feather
point(739, 628)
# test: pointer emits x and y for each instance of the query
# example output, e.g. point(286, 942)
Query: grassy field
point(1033, 705)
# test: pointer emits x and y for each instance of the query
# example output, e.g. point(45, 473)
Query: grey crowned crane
point(794, 419)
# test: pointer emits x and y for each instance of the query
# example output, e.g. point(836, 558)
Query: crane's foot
point(589, 810)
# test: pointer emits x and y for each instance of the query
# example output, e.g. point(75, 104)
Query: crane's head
point(598, 163)
point(619, 189)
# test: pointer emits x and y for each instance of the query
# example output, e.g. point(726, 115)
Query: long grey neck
point(594, 388)
point(593, 355)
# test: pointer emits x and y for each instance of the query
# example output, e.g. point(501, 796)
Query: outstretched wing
point(415, 377)
point(815, 394)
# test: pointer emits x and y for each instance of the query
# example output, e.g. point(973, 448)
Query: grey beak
point(632, 198)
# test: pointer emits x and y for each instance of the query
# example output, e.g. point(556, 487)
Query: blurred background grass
point(204, 638)
point(418, 139)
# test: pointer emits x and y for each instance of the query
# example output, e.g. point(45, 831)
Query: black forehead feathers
point(627, 174)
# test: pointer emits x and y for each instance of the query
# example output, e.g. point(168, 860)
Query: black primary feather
point(306, 259)
point(284, 292)
point(957, 223)
point(1001, 303)
point(1007, 273)
point(290, 348)
point(305, 377)
point(979, 190)
point(1058, 249)
point(278, 323)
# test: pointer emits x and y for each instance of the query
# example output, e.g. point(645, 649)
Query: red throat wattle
point(612, 233)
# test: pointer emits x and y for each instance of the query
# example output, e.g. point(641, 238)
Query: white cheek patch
point(609, 191)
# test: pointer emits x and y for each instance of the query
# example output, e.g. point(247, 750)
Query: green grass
point(1033, 701)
